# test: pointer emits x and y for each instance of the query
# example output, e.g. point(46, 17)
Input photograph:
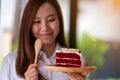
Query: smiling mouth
point(45, 34)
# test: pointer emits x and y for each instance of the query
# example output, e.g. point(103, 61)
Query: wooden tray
point(70, 69)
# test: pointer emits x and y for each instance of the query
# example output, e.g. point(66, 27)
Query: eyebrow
point(47, 16)
point(51, 15)
point(37, 18)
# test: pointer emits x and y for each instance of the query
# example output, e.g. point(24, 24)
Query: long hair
point(26, 52)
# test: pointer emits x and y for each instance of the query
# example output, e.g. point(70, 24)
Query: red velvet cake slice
point(68, 57)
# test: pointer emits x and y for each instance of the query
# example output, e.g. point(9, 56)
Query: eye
point(36, 22)
point(51, 20)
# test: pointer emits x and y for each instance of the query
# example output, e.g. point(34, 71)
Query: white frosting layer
point(69, 50)
point(67, 58)
point(67, 64)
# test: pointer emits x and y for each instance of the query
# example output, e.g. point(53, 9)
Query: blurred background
point(93, 26)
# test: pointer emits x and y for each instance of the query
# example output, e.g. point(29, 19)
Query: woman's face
point(46, 24)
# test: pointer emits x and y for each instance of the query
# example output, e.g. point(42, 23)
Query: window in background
point(98, 30)
point(65, 6)
point(9, 18)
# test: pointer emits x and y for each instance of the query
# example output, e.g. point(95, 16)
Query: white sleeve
point(5, 72)
point(82, 59)
point(82, 62)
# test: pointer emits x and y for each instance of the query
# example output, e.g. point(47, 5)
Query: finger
point(85, 74)
point(85, 63)
point(31, 68)
point(35, 73)
point(34, 70)
point(33, 65)
point(32, 74)
point(76, 76)
point(34, 78)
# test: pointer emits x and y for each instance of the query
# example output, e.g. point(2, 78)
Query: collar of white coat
point(43, 54)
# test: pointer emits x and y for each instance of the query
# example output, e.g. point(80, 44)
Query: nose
point(44, 26)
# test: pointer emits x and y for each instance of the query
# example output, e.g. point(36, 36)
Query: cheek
point(57, 28)
point(34, 30)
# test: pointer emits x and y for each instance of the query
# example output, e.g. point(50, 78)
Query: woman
point(41, 19)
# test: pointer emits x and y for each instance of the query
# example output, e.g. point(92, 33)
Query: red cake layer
point(67, 55)
point(68, 61)
point(68, 58)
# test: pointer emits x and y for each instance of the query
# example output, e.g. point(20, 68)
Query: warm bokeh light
point(117, 3)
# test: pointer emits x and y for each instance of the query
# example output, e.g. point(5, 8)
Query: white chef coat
point(8, 70)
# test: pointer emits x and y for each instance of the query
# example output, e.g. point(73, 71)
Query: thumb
point(85, 63)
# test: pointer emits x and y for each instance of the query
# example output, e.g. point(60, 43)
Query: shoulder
point(11, 56)
point(8, 65)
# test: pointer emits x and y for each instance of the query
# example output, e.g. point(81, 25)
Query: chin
point(47, 42)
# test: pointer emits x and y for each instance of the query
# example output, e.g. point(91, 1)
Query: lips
point(45, 34)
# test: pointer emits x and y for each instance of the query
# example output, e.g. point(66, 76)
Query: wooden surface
point(70, 69)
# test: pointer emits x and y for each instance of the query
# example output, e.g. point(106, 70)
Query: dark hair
point(26, 53)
